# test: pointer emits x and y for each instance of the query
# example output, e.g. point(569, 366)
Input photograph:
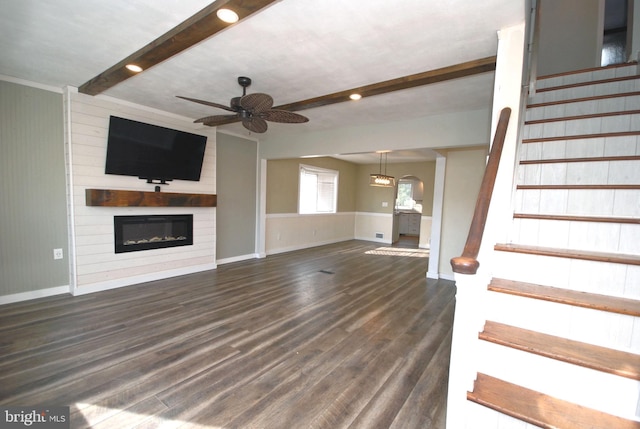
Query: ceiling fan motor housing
point(244, 81)
point(235, 103)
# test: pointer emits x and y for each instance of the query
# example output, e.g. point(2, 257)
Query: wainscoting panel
point(369, 226)
point(291, 231)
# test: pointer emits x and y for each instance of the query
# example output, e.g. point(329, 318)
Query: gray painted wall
point(570, 35)
point(236, 183)
point(33, 218)
point(463, 176)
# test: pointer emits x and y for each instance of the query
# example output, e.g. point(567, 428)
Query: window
point(405, 195)
point(318, 190)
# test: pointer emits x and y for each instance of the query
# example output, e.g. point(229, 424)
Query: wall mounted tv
point(153, 153)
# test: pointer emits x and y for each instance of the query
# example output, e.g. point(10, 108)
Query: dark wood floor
point(344, 335)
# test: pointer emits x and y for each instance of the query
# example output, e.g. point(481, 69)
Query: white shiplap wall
point(94, 264)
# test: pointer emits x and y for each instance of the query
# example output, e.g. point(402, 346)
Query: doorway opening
point(407, 214)
point(614, 40)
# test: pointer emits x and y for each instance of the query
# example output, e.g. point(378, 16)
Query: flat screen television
point(156, 154)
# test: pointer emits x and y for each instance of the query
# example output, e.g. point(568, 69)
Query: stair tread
point(580, 117)
point(623, 364)
point(588, 83)
point(582, 99)
point(619, 258)
point(592, 187)
point(581, 136)
point(582, 159)
point(539, 409)
point(578, 218)
point(613, 304)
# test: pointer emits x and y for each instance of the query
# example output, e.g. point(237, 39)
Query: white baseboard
point(34, 294)
point(237, 258)
point(129, 281)
point(448, 277)
point(375, 240)
point(431, 275)
point(437, 276)
point(306, 246)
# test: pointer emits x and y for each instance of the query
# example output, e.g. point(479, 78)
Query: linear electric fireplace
point(134, 233)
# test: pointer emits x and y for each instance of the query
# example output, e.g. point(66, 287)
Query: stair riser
point(615, 104)
point(600, 74)
point(588, 126)
point(584, 386)
point(581, 173)
point(586, 91)
point(578, 148)
point(478, 416)
point(601, 202)
point(586, 276)
point(575, 323)
point(590, 236)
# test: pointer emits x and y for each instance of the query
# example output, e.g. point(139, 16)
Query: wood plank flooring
point(349, 335)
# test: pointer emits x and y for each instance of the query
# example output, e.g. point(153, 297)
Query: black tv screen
point(152, 152)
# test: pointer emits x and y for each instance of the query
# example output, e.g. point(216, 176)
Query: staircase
point(561, 347)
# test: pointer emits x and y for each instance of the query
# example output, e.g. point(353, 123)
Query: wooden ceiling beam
point(469, 68)
point(195, 29)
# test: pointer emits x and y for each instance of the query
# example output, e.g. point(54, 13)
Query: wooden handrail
point(467, 262)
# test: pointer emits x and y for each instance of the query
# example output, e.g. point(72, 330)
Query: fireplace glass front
point(134, 233)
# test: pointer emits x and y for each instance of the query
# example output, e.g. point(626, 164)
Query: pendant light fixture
point(382, 180)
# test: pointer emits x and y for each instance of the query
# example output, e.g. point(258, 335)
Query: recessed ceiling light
point(355, 96)
point(134, 68)
point(227, 15)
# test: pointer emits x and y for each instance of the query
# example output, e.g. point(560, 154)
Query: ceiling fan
point(253, 110)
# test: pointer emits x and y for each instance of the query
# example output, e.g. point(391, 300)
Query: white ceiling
point(293, 50)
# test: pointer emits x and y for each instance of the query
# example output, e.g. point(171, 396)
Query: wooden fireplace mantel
point(119, 198)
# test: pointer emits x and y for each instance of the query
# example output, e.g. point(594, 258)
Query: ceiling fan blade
point(256, 125)
point(214, 120)
point(207, 103)
point(256, 103)
point(283, 116)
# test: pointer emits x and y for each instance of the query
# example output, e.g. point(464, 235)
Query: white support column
point(436, 220)
point(261, 228)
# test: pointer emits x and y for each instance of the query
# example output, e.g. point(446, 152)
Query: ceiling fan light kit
point(253, 110)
